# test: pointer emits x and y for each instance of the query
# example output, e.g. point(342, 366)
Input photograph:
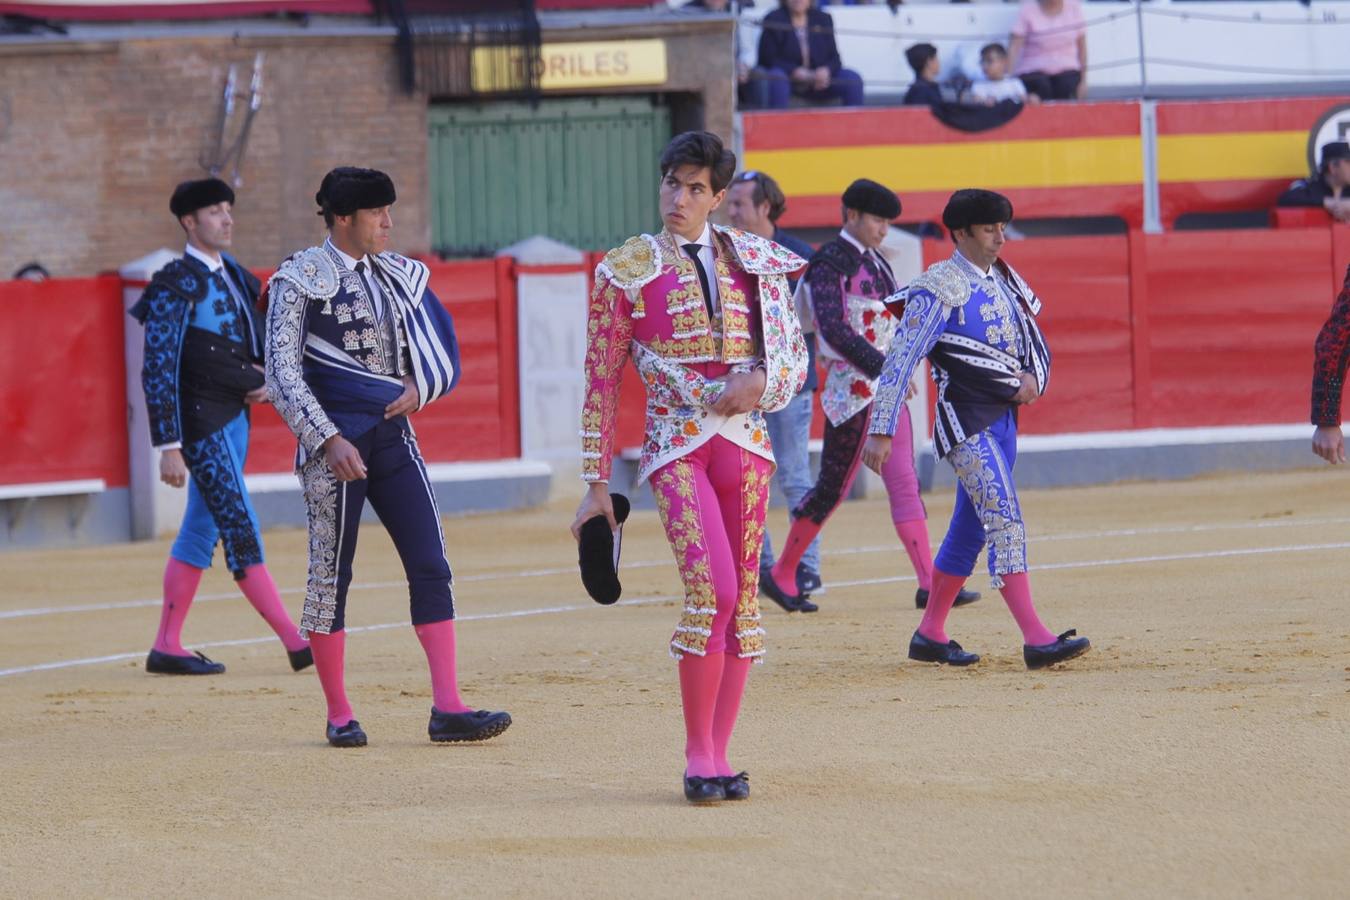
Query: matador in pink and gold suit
point(709, 473)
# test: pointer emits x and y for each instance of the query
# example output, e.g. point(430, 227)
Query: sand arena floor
point(1200, 749)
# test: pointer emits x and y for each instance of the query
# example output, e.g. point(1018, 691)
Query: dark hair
point(765, 189)
point(703, 150)
point(995, 49)
point(919, 55)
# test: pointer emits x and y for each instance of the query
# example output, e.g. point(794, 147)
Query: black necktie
point(375, 305)
point(884, 269)
point(692, 250)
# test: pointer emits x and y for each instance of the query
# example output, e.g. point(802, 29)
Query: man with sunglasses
point(755, 203)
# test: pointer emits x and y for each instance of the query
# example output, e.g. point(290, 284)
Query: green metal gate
point(581, 171)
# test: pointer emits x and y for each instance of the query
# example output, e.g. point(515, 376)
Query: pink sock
point(914, 535)
point(1016, 592)
point(784, 572)
point(180, 586)
point(735, 671)
point(940, 599)
point(330, 654)
point(700, 683)
point(438, 640)
point(261, 591)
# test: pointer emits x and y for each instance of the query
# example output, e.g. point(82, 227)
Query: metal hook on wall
point(218, 157)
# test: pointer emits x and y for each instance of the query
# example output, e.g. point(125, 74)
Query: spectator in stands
point(798, 57)
point(754, 203)
point(923, 59)
point(996, 85)
point(1329, 188)
point(752, 92)
point(33, 271)
point(1049, 49)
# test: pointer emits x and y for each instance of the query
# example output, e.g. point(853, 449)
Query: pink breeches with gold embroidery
point(712, 504)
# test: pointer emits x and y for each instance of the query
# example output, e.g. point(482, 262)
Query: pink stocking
point(784, 572)
point(1016, 592)
point(180, 586)
point(735, 671)
point(940, 600)
point(914, 535)
point(700, 683)
point(330, 653)
point(261, 591)
point(438, 640)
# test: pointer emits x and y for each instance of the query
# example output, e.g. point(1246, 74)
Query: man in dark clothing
point(798, 56)
point(1330, 189)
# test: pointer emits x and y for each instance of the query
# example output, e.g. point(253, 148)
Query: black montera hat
point(867, 196)
point(349, 188)
point(598, 552)
point(974, 206)
point(191, 196)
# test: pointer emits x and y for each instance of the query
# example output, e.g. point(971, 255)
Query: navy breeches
point(399, 491)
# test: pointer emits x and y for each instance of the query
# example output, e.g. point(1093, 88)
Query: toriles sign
point(569, 66)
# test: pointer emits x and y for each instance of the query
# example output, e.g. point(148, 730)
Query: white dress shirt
point(369, 281)
point(877, 259)
point(705, 256)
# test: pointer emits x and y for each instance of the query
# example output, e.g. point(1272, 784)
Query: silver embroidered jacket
point(978, 331)
point(322, 328)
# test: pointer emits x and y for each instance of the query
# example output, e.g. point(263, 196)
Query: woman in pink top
point(1048, 49)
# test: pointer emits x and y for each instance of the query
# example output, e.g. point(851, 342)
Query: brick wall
point(93, 137)
point(95, 134)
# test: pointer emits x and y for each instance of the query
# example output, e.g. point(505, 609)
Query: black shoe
point(167, 664)
point(1065, 647)
point(301, 659)
point(703, 790)
point(926, 650)
point(478, 725)
point(736, 787)
point(808, 582)
point(769, 588)
point(962, 598)
point(349, 735)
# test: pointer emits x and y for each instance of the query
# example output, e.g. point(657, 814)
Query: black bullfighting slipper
point(301, 659)
point(703, 790)
point(962, 598)
point(769, 588)
point(598, 553)
point(476, 725)
point(349, 735)
point(808, 582)
point(168, 664)
point(736, 787)
point(1065, 647)
point(927, 650)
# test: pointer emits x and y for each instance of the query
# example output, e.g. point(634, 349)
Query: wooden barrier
point(1179, 330)
point(62, 395)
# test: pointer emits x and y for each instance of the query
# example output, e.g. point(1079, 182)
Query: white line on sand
point(642, 601)
point(647, 564)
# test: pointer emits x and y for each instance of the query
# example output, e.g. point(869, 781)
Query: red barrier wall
point(62, 382)
point(1179, 330)
point(481, 417)
point(1231, 322)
